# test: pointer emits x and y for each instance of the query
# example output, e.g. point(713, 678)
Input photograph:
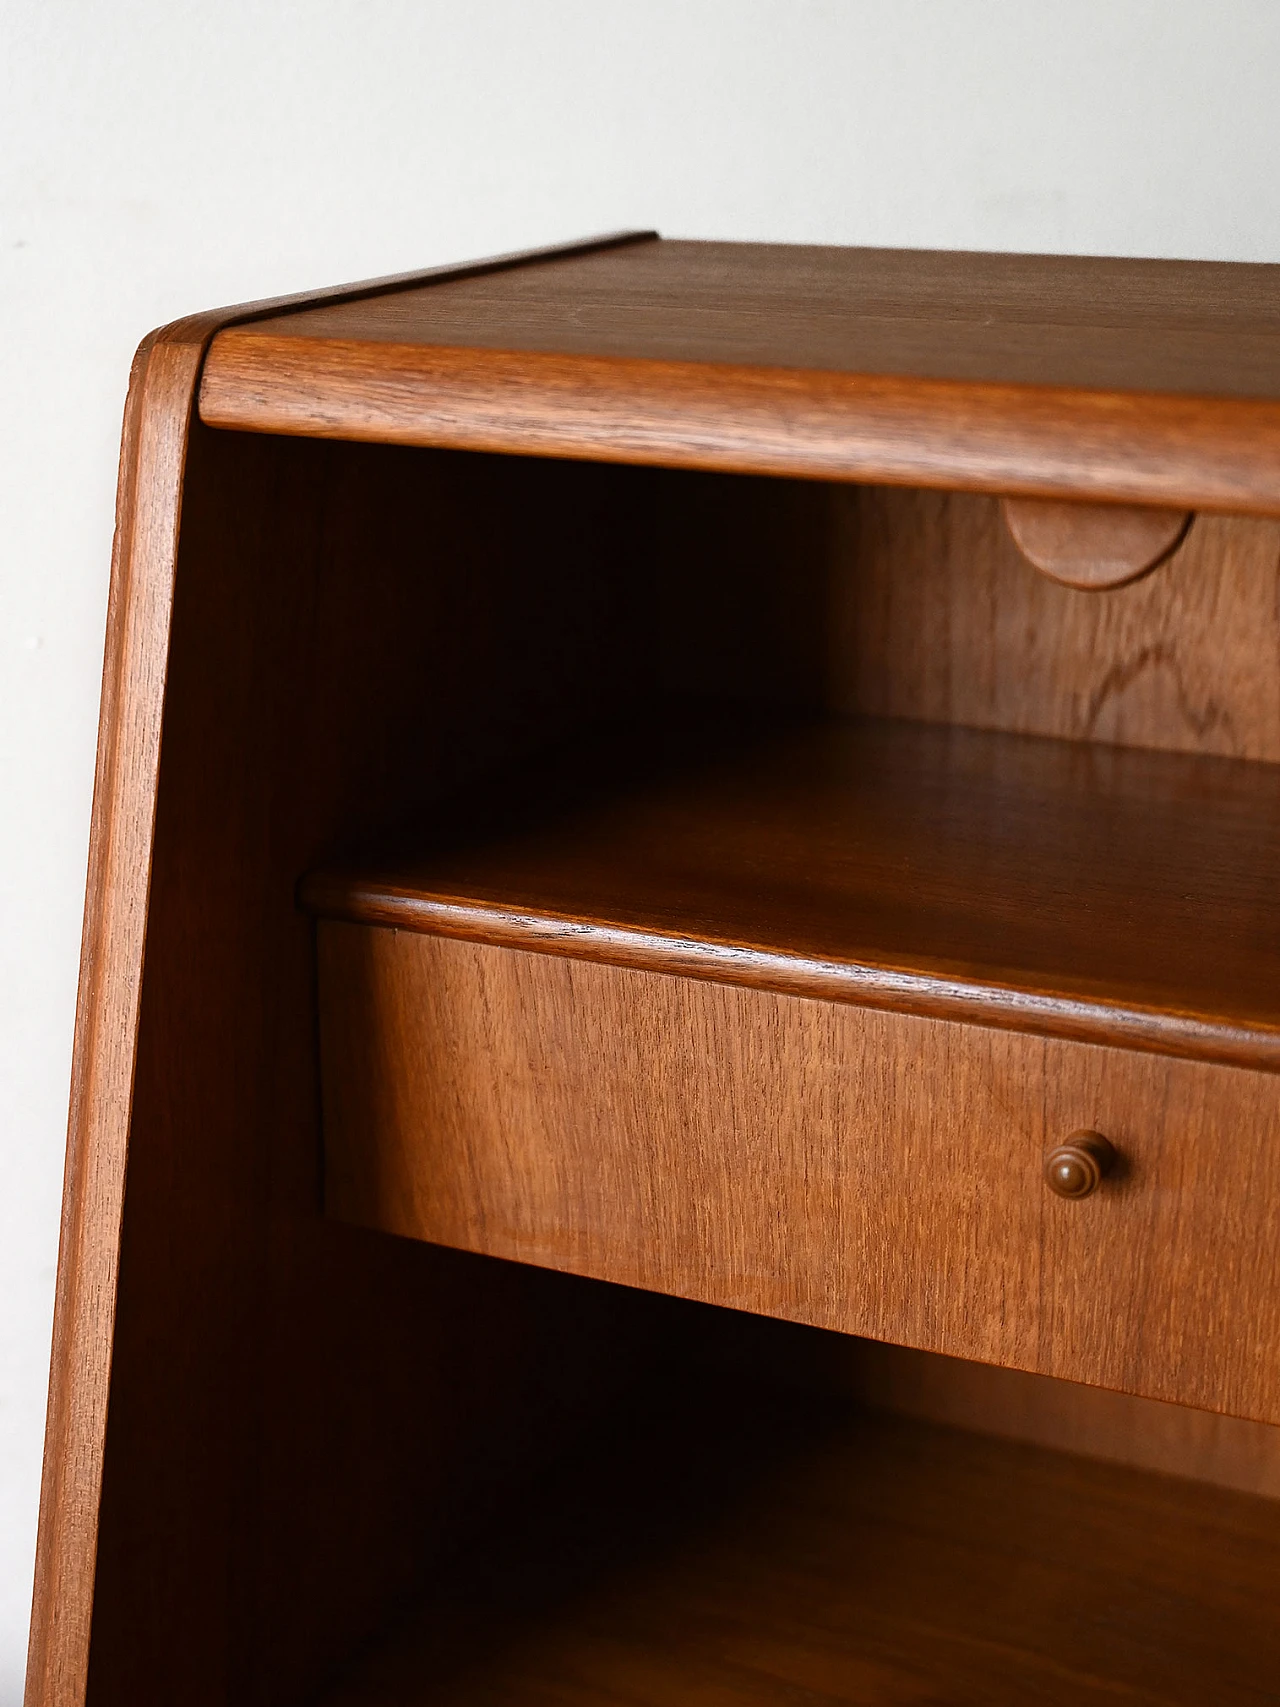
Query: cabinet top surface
point(1206, 328)
point(1154, 382)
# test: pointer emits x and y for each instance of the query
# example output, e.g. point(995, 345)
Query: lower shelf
point(747, 1553)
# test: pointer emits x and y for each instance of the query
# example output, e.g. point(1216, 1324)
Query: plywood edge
point(158, 415)
point(1038, 441)
point(937, 991)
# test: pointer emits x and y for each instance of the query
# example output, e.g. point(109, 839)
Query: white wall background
point(160, 156)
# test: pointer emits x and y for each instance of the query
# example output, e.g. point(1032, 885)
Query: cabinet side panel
point(150, 484)
point(149, 504)
point(298, 1411)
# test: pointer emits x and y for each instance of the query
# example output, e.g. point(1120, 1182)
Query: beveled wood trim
point(936, 994)
point(1039, 441)
point(158, 415)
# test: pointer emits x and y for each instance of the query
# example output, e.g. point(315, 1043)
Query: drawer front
point(863, 1171)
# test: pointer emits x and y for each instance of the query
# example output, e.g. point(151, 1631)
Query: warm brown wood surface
point(936, 615)
point(164, 1578)
point(1097, 1422)
point(1091, 892)
point(276, 1466)
point(740, 1556)
point(325, 639)
point(1147, 382)
point(1095, 547)
point(914, 603)
point(1039, 1410)
point(1077, 321)
point(869, 1172)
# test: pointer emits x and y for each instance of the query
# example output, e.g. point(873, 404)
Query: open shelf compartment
point(1107, 894)
point(746, 1541)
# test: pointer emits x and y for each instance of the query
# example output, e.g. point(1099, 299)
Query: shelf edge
point(1144, 448)
point(932, 993)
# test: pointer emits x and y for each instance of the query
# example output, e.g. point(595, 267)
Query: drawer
point(868, 1171)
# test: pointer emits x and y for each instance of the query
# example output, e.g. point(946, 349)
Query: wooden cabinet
point(645, 791)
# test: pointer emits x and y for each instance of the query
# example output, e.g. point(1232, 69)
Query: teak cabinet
point(677, 1085)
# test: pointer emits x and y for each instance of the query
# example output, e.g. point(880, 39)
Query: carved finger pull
point(1094, 546)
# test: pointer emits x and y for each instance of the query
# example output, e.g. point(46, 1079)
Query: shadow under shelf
point(739, 1544)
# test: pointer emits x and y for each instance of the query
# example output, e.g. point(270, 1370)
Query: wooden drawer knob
point(1076, 1168)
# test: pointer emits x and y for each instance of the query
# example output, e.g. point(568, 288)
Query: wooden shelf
point(1101, 893)
point(1139, 381)
point(737, 1554)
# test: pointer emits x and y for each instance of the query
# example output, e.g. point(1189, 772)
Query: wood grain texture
point(935, 615)
point(275, 1470)
point(264, 1424)
point(916, 603)
point(868, 1172)
point(150, 463)
point(1139, 382)
point(1095, 547)
point(750, 1556)
point(158, 488)
point(1019, 319)
point(1091, 892)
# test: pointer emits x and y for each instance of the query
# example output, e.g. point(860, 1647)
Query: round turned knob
point(1076, 1168)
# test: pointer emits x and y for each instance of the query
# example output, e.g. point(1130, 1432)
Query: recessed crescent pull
point(1093, 546)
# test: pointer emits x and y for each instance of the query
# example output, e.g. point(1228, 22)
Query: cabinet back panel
point(938, 615)
point(903, 602)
